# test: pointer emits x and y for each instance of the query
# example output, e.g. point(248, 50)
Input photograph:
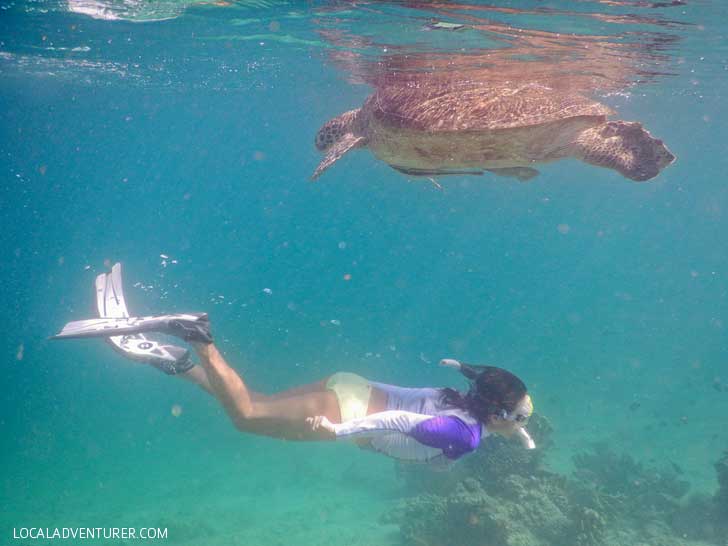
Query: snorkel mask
point(519, 415)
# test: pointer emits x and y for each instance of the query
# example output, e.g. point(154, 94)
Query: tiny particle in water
point(176, 410)
point(86, 267)
point(268, 291)
point(342, 245)
point(563, 228)
point(335, 322)
point(163, 256)
point(347, 277)
point(20, 352)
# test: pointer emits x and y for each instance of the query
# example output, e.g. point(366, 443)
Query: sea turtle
point(440, 130)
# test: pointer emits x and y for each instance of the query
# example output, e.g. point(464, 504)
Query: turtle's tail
point(626, 147)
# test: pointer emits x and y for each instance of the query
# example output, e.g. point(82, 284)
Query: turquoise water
point(132, 131)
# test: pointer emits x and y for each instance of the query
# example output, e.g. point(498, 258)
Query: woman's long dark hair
point(493, 391)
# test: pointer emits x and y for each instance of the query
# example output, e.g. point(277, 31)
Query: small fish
point(634, 406)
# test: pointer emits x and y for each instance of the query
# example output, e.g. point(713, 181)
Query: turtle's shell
point(469, 108)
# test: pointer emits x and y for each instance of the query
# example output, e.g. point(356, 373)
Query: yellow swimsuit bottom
point(352, 391)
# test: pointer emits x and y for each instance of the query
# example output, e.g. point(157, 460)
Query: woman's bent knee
point(247, 424)
point(242, 425)
point(251, 419)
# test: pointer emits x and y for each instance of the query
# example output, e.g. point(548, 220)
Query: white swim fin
point(129, 335)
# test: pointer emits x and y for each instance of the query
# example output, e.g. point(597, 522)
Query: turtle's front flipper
point(345, 143)
point(523, 174)
point(625, 147)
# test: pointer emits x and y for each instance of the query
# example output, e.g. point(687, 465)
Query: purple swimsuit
point(416, 426)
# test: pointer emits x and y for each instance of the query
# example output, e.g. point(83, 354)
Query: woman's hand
point(320, 422)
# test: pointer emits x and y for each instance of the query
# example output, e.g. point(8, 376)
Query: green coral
point(623, 487)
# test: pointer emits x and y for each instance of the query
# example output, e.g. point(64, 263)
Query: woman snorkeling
point(417, 424)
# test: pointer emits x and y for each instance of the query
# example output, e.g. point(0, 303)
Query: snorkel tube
point(526, 407)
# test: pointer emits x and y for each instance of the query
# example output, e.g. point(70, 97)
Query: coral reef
point(704, 517)
point(625, 486)
point(721, 497)
point(505, 496)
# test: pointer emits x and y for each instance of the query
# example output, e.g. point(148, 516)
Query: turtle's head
point(332, 131)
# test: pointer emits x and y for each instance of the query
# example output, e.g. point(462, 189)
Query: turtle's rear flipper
point(625, 147)
point(523, 174)
point(345, 143)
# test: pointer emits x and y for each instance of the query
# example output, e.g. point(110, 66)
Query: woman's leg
point(196, 374)
point(282, 415)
